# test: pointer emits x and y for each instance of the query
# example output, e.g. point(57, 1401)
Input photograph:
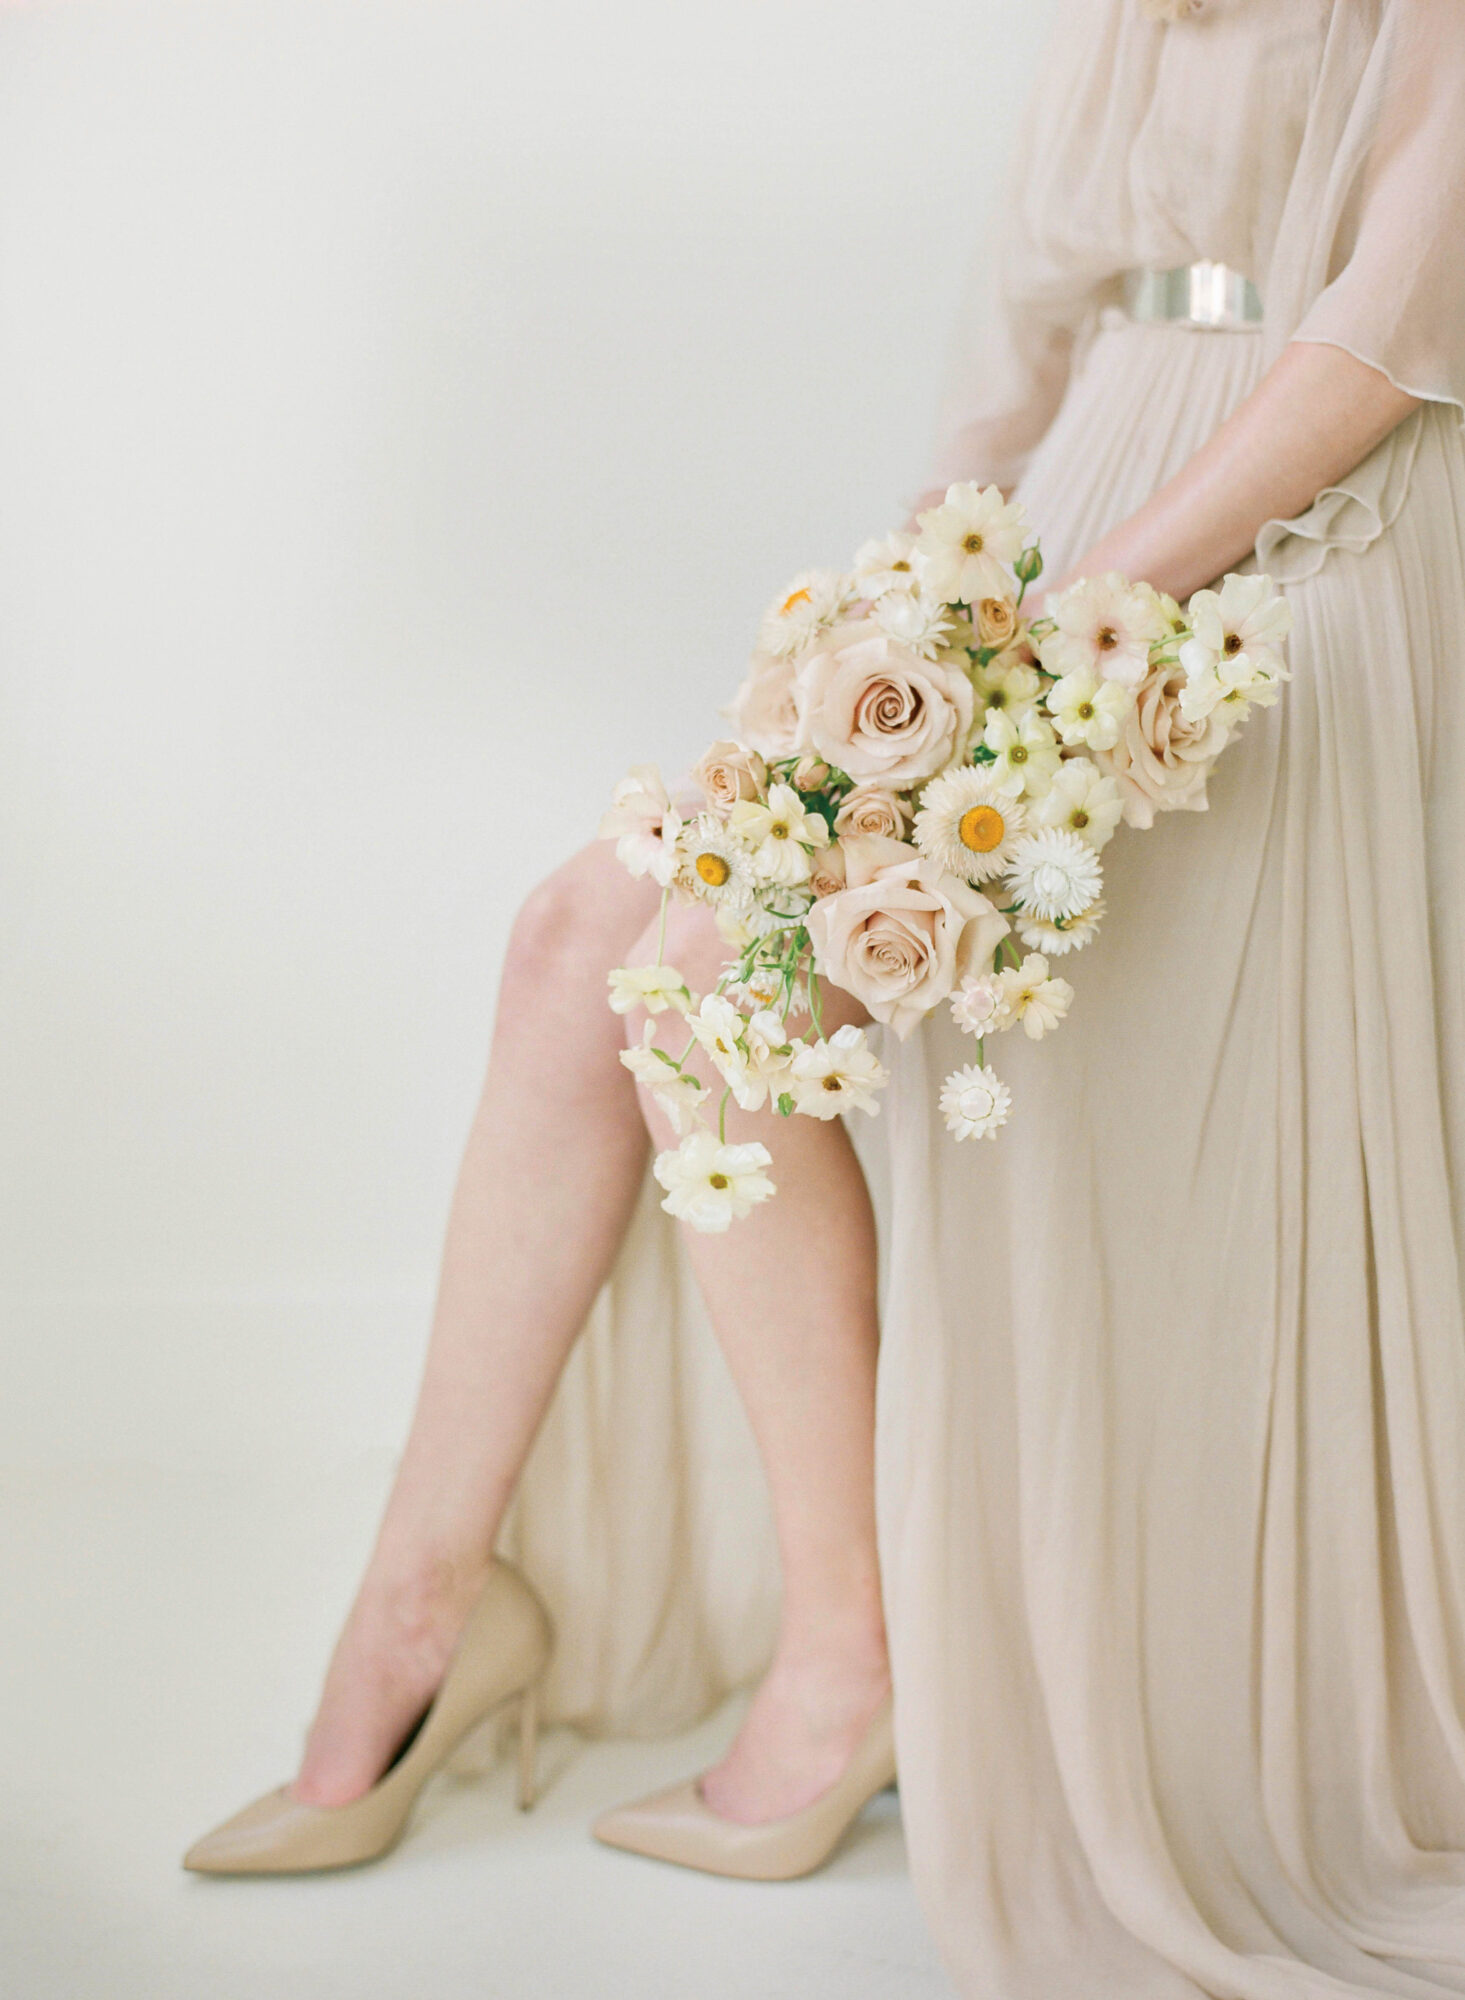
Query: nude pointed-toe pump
point(679, 1825)
point(500, 1658)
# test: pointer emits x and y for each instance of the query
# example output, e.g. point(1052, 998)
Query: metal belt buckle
point(1205, 295)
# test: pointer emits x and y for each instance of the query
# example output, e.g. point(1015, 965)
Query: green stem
point(661, 927)
point(722, 1117)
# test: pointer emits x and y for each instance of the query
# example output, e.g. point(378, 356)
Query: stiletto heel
point(680, 1826)
point(501, 1655)
point(528, 1745)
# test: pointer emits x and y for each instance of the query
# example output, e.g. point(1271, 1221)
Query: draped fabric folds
point(1171, 1449)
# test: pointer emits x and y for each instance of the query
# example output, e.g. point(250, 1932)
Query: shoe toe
point(248, 1843)
point(649, 1825)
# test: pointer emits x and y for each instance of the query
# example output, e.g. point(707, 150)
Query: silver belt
point(1203, 295)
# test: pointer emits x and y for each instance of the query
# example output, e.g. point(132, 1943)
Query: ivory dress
point(1172, 1399)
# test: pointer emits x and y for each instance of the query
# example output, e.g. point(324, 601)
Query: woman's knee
point(580, 920)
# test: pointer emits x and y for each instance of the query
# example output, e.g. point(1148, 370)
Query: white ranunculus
point(654, 987)
point(1026, 753)
point(1084, 799)
point(1234, 659)
point(888, 564)
point(1055, 874)
point(1106, 626)
point(1089, 711)
point(1030, 997)
point(778, 835)
point(975, 1102)
point(720, 1028)
point(838, 1075)
point(1056, 940)
point(639, 805)
point(710, 1185)
point(1237, 637)
point(970, 543)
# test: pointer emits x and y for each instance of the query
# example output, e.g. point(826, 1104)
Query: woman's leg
point(791, 1294)
point(549, 1177)
point(551, 1173)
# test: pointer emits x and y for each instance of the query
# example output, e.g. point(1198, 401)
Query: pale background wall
point(405, 411)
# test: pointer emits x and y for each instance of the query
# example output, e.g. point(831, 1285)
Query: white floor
point(161, 1640)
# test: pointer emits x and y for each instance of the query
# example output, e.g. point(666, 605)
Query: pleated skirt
point(1172, 1422)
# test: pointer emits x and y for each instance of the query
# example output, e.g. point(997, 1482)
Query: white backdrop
point(405, 411)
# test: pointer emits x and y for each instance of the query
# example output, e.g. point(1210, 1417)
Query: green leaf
point(785, 1104)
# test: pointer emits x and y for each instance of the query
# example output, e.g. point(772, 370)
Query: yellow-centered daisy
point(967, 826)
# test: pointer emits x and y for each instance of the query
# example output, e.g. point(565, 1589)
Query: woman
point(1172, 1383)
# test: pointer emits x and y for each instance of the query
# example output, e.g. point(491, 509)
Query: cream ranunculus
point(1161, 761)
point(764, 711)
point(903, 933)
point(729, 772)
point(879, 711)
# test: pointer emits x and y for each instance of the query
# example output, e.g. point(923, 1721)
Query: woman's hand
point(1315, 414)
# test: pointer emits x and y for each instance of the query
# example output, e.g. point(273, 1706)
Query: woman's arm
point(1315, 414)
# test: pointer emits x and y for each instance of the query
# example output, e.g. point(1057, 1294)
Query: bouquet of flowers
point(924, 772)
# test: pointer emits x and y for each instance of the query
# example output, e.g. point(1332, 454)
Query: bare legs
point(549, 1178)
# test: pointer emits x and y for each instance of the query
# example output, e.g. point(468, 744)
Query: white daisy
point(654, 987)
point(1089, 711)
point(1106, 625)
point(711, 865)
point(711, 1185)
point(968, 824)
point(889, 564)
point(841, 1074)
point(778, 835)
point(1058, 939)
point(975, 1102)
point(812, 601)
point(1084, 799)
point(914, 621)
point(1029, 996)
point(969, 544)
point(1025, 750)
point(976, 1005)
point(1055, 874)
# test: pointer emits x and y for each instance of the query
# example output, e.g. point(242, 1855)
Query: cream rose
point(729, 772)
point(902, 935)
point(827, 870)
point(764, 710)
point(1161, 761)
point(872, 809)
point(875, 709)
point(996, 620)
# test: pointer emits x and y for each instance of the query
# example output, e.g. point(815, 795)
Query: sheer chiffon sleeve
point(1370, 251)
point(1379, 203)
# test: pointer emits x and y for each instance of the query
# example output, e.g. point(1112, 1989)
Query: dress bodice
point(1316, 145)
